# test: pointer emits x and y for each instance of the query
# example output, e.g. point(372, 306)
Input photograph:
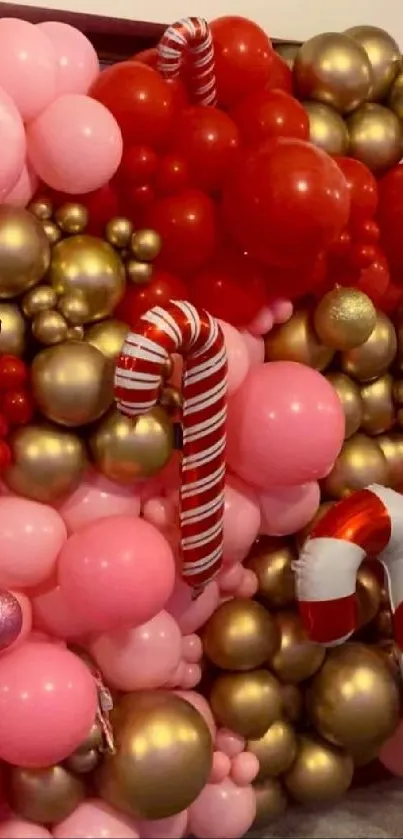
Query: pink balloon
point(192, 614)
point(93, 819)
point(230, 578)
point(190, 676)
point(97, 498)
point(48, 702)
point(118, 571)
point(241, 519)
point(281, 310)
point(262, 323)
point(244, 769)
point(77, 61)
point(13, 144)
point(160, 512)
point(255, 348)
point(16, 828)
point(248, 585)
point(222, 811)
point(391, 753)
point(288, 509)
point(285, 426)
point(171, 828)
point(220, 769)
point(237, 356)
point(75, 145)
point(27, 66)
point(53, 614)
point(24, 189)
point(31, 536)
point(192, 648)
point(229, 742)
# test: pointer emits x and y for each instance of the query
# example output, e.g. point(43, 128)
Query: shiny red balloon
point(208, 140)
point(286, 202)
point(187, 224)
point(374, 279)
point(362, 186)
point(292, 283)
point(270, 113)
point(392, 298)
point(138, 299)
point(172, 174)
point(231, 287)
point(178, 86)
point(243, 57)
point(280, 77)
point(390, 219)
point(138, 166)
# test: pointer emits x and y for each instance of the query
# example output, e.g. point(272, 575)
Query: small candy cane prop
point(369, 523)
point(191, 37)
point(199, 339)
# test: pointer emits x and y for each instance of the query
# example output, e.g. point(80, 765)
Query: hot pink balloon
point(237, 356)
point(192, 614)
point(391, 753)
point(31, 536)
point(13, 144)
point(15, 828)
point(48, 702)
point(93, 819)
point(171, 828)
point(75, 145)
point(24, 189)
point(53, 614)
point(77, 61)
point(285, 426)
point(118, 571)
point(255, 348)
point(222, 811)
point(27, 66)
point(97, 498)
point(241, 519)
point(288, 509)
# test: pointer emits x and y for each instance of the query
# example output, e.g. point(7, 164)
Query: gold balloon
point(163, 757)
point(287, 52)
point(49, 328)
point(293, 702)
point(93, 740)
point(384, 57)
point(344, 318)
point(320, 774)
point(395, 98)
point(46, 795)
point(391, 446)
point(359, 464)
point(275, 751)
point(24, 251)
point(354, 699)
point(350, 398)
point(247, 703)
point(41, 208)
point(171, 399)
point(38, 299)
point(13, 330)
point(368, 595)
point(372, 358)
point(72, 383)
point(327, 129)
point(127, 448)
point(296, 340)
point(145, 245)
point(74, 308)
point(271, 802)
point(240, 635)
point(332, 68)
point(107, 336)
point(72, 218)
point(392, 655)
point(271, 560)
point(139, 273)
point(81, 763)
point(90, 265)
point(296, 658)
point(375, 137)
point(302, 536)
point(52, 232)
point(378, 409)
point(75, 333)
point(48, 462)
point(118, 232)
point(384, 623)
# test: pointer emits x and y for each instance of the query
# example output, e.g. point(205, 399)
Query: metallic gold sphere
point(93, 740)
point(271, 560)
point(384, 623)
point(395, 98)
point(368, 595)
point(296, 658)
point(320, 774)
point(350, 397)
point(41, 208)
point(378, 410)
point(247, 703)
point(52, 232)
point(287, 52)
point(46, 795)
point(359, 464)
point(327, 129)
point(334, 69)
point(375, 137)
point(107, 336)
point(139, 273)
point(49, 328)
point(171, 399)
point(125, 449)
point(296, 340)
point(344, 318)
point(82, 763)
point(271, 803)
point(74, 308)
point(384, 57)
point(240, 635)
point(38, 299)
point(118, 232)
point(293, 702)
point(24, 251)
point(145, 245)
point(275, 751)
point(302, 535)
point(391, 446)
point(372, 358)
point(13, 330)
point(75, 333)
point(72, 218)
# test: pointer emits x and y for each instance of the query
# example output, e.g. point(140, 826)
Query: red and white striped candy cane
point(369, 523)
point(198, 337)
point(190, 37)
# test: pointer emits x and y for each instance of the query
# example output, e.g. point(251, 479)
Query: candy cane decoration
point(199, 339)
point(191, 37)
point(369, 523)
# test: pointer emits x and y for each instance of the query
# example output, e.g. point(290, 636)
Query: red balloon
point(270, 113)
point(172, 174)
point(362, 186)
point(138, 166)
point(149, 57)
point(286, 202)
point(187, 224)
point(13, 372)
point(280, 77)
point(208, 140)
point(243, 57)
point(178, 86)
point(17, 407)
point(291, 283)
point(231, 287)
point(138, 299)
point(375, 278)
point(390, 219)
point(392, 298)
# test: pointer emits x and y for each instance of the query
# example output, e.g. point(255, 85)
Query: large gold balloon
point(384, 622)
point(287, 52)
point(344, 318)
point(271, 802)
point(395, 98)
point(378, 413)
point(332, 68)
point(13, 330)
point(372, 358)
point(275, 751)
point(391, 446)
point(327, 128)
point(384, 57)
point(368, 595)
point(320, 774)
point(350, 397)
point(92, 266)
point(296, 658)
point(354, 699)
point(296, 340)
point(126, 448)
point(24, 251)
point(301, 537)
point(375, 137)
point(163, 756)
point(240, 635)
point(247, 703)
point(48, 462)
point(72, 383)
point(271, 560)
point(360, 463)
point(107, 336)
point(46, 795)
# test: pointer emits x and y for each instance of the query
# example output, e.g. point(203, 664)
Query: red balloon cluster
point(16, 405)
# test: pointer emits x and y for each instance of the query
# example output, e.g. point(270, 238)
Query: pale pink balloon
point(391, 753)
point(77, 61)
point(190, 676)
point(288, 509)
point(53, 614)
point(230, 578)
point(248, 585)
point(255, 348)
point(200, 703)
point(171, 828)
point(27, 66)
point(192, 648)
point(229, 742)
point(192, 614)
point(24, 189)
point(93, 819)
point(220, 769)
point(97, 498)
point(222, 811)
point(13, 145)
point(75, 145)
point(237, 356)
point(16, 828)
point(244, 769)
point(241, 519)
point(281, 310)
point(31, 536)
point(159, 511)
point(262, 322)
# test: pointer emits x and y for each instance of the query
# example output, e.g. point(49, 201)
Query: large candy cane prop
point(199, 339)
point(367, 523)
point(190, 38)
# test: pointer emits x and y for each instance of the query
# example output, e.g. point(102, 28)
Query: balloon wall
point(201, 428)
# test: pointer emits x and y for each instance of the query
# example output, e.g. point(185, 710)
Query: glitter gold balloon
point(372, 358)
point(145, 245)
point(378, 413)
point(125, 448)
point(384, 57)
point(240, 635)
point(48, 462)
point(350, 397)
point(327, 129)
point(344, 318)
point(247, 703)
point(271, 802)
point(118, 232)
point(296, 340)
point(320, 774)
point(293, 702)
point(72, 218)
point(296, 658)
point(107, 336)
point(359, 464)
point(139, 273)
point(334, 69)
point(287, 52)
point(13, 330)
point(391, 446)
point(49, 328)
point(38, 299)
point(46, 795)
point(52, 232)
point(72, 383)
point(395, 98)
point(275, 751)
point(301, 537)
point(368, 595)
point(24, 251)
point(41, 208)
point(375, 137)
point(271, 560)
point(74, 308)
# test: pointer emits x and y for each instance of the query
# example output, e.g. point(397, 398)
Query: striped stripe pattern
point(193, 333)
point(190, 38)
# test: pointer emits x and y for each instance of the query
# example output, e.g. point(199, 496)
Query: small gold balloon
point(24, 251)
point(162, 743)
point(397, 391)
point(247, 703)
point(384, 57)
point(378, 413)
point(41, 208)
point(296, 340)
point(74, 308)
point(275, 751)
point(139, 273)
point(48, 462)
point(391, 446)
point(368, 593)
point(287, 52)
point(171, 399)
point(168, 368)
point(145, 245)
point(46, 795)
point(327, 129)
point(320, 774)
point(75, 333)
point(13, 330)
point(107, 336)
point(372, 358)
point(127, 448)
point(350, 397)
point(72, 218)
point(52, 232)
point(90, 265)
point(384, 623)
point(293, 702)
point(302, 536)
point(271, 560)
point(49, 328)
point(38, 299)
point(118, 232)
point(334, 69)
point(344, 318)
point(359, 464)
point(93, 740)
point(354, 699)
point(296, 658)
point(271, 802)
point(375, 137)
point(240, 635)
point(395, 98)
point(81, 763)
